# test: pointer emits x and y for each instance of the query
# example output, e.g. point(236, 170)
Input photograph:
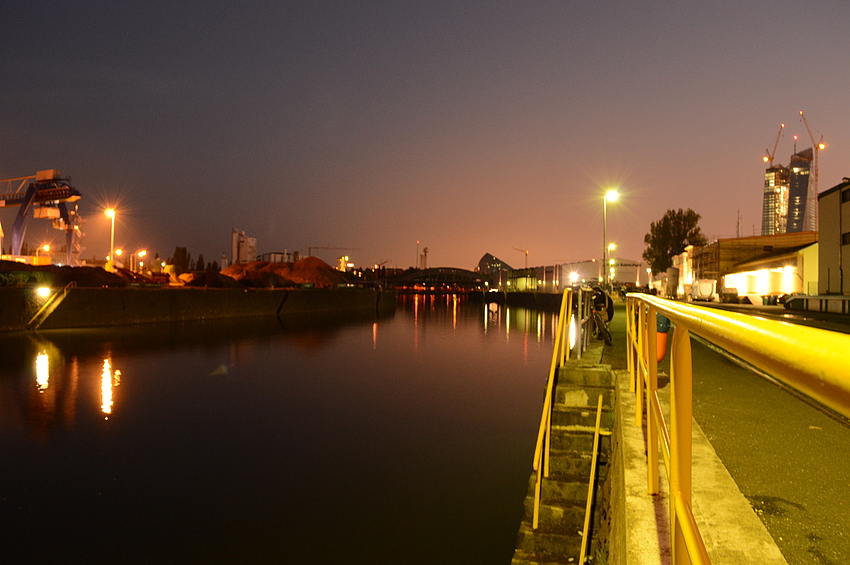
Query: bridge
point(610, 411)
point(439, 279)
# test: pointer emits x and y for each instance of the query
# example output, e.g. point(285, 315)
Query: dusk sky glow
point(472, 127)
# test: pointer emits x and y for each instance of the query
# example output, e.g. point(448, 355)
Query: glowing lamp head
point(45, 248)
point(612, 195)
point(43, 291)
point(110, 212)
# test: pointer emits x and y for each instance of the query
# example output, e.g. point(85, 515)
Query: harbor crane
point(815, 148)
point(770, 154)
point(526, 255)
point(46, 194)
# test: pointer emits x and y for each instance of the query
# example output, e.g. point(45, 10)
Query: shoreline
point(104, 307)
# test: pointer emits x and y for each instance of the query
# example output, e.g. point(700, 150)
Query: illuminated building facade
point(774, 217)
point(835, 239)
point(802, 200)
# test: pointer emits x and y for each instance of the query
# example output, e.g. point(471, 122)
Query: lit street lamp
point(45, 248)
point(139, 255)
point(110, 265)
point(610, 196)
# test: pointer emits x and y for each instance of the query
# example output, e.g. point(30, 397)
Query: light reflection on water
point(404, 439)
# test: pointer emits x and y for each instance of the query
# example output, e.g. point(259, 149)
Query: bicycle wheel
point(600, 329)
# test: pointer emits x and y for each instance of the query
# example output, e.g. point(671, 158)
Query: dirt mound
point(310, 270)
point(12, 273)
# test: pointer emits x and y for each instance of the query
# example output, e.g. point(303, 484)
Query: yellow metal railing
point(560, 352)
point(809, 360)
point(590, 486)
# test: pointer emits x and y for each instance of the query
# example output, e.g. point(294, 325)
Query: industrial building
point(834, 246)
point(757, 266)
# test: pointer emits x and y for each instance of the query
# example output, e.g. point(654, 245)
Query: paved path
point(789, 459)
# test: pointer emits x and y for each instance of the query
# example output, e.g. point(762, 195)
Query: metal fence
point(808, 360)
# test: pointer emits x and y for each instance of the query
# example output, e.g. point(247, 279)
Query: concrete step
point(576, 441)
point(564, 490)
point(528, 558)
point(579, 396)
point(563, 415)
point(586, 374)
point(565, 463)
point(549, 540)
point(556, 514)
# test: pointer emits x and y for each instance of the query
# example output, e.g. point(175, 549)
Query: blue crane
point(47, 195)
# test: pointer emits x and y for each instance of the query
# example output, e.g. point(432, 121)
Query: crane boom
point(813, 183)
point(526, 255)
point(770, 154)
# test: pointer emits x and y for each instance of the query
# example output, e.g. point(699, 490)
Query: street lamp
point(140, 254)
point(110, 213)
point(610, 196)
point(45, 248)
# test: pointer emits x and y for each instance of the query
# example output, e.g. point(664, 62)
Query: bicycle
point(599, 325)
point(599, 328)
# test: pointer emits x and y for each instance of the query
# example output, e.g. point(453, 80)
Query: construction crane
point(815, 148)
point(770, 154)
point(46, 196)
point(526, 255)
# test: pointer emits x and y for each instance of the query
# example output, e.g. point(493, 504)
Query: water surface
point(406, 439)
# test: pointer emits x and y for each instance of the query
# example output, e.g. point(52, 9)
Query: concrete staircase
point(558, 537)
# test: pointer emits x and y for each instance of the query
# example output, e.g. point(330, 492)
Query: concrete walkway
point(730, 528)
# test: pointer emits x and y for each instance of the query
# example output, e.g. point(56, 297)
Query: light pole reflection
point(42, 371)
point(108, 380)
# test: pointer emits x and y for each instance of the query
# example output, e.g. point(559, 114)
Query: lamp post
point(45, 248)
point(140, 254)
point(110, 213)
point(610, 196)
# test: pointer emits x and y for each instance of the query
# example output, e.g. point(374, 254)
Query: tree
point(669, 236)
point(181, 260)
point(199, 264)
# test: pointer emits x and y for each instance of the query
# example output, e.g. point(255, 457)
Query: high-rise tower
point(802, 199)
point(774, 216)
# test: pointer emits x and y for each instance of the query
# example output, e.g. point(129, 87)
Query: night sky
point(472, 127)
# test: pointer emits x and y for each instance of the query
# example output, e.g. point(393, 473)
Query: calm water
point(406, 439)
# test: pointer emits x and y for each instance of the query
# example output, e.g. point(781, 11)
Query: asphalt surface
point(788, 457)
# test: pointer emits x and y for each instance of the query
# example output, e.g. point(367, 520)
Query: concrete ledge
point(731, 530)
point(102, 307)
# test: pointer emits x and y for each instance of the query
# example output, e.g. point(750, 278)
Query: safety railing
point(571, 335)
point(560, 352)
point(809, 360)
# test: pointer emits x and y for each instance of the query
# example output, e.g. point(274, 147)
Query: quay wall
point(98, 307)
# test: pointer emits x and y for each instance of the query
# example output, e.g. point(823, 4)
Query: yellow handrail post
point(541, 449)
point(591, 484)
point(639, 383)
point(681, 412)
point(651, 388)
point(629, 335)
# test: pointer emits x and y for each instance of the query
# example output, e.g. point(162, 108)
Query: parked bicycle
point(601, 314)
